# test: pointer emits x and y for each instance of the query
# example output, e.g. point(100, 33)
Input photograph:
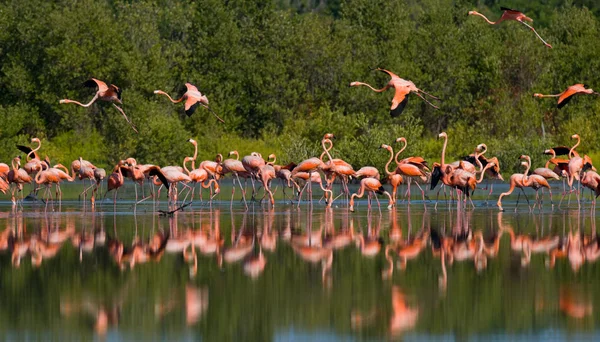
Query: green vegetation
point(278, 73)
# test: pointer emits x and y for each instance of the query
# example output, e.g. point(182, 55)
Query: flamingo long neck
point(170, 98)
point(120, 174)
point(400, 151)
point(81, 104)
point(483, 171)
point(486, 19)
point(237, 155)
point(14, 164)
point(184, 165)
point(553, 156)
point(195, 153)
point(387, 86)
point(34, 151)
point(444, 150)
point(571, 154)
point(38, 177)
point(550, 95)
point(510, 190)
point(326, 150)
point(389, 161)
point(526, 178)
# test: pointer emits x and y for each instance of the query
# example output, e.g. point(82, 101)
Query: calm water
point(297, 273)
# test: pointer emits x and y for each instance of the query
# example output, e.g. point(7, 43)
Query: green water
point(81, 293)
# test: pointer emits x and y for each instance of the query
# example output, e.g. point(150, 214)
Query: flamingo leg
point(126, 118)
point(534, 31)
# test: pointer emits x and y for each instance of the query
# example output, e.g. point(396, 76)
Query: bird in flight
point(109, 93)
point(193, 98)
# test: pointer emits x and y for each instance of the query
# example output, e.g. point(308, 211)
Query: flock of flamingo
point(463, 175)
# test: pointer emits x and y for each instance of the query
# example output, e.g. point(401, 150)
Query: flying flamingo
point(510, 14)
point(192, 98)
point(402, 89)
point(373, 186)
point(567, 95)
point(109, 93)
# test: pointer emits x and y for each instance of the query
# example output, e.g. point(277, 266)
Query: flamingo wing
point(26, 150)
point(512, 11)
point(561, 150)
point(155, 171)
point(391, 74)
point(436, 175)
point(117, 90)
point(566, 96)
point(93, 83)
point(191, 87)
point(398, 103)
point(190, 105)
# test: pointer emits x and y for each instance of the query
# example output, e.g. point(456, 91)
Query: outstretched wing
point(24, 149)
point(117, 90)
point(398, 103)
point(93, 83)
point(155, 171)
point(561, 150)
point(510, 10)
point(190, 105)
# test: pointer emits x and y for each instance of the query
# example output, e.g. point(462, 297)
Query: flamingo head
point(328, 136)
point(481, 148)
point(130, 162)
point(35, 140)
point(473, 12)
point(387, 147)
point(354, 84)
point(575, 136)
point(538, 95)
point(233, 152)
point(403, 139)
point(192, 141)
point(548, 151)
point(443, 135)
point(63, 101)
point(155, 92)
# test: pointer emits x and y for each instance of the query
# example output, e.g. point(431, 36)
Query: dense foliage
point(278, 73)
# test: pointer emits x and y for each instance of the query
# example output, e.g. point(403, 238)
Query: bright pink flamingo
point(193, 98)
point(109, 93)
point(510, 14)
point(402, 88)
point(373, 186)
point(567, 95)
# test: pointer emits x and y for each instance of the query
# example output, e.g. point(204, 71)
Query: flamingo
point(314, 177)
point(373, 185)
point(402, 89)
point(252, 165)
point(510, 14)
point(236, 167)
point(481, 161)
point(116, 179)
point(575, 166)
point(516, 180)
point(109, 93)
point(200, 176)
point(335, 167)
point(536, 181)
point(18, 177)
point(309, 166)
point(267, 173)
point(394, 178)
point(192, 98)
point(367, 171)
point(284, 173)
point(34, 162)
point(411, 167)
point(567, 95)
point(591, 180)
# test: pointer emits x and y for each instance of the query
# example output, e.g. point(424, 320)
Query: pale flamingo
point(200, 176)
point(236, 167)
point(18, 177)
point(510, 14)
point(192, 98)
point(402, 89)
point(411, 167)
point(109, 93)
point(516, 180)
point(536, 182)
point(394, 178)
point(567, 95)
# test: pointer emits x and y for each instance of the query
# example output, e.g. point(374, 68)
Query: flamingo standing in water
point(373, 186)
point(236, 167)
point(109, 93)
point(193, 98)
point(411, 167)
point(394, 178)
point(17, 176)
point(567, 95)
point(516, 180)
point(510, 14)
point(200, 176)
point(402, 89)
point(536, 181)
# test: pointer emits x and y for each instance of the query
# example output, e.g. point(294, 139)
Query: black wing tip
point(508, 9)
point(381, 190)
point(400, 108)
point(192, 109)
point(90, 83)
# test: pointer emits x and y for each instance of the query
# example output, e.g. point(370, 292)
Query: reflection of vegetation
point(277, 72)
point(290, 293)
